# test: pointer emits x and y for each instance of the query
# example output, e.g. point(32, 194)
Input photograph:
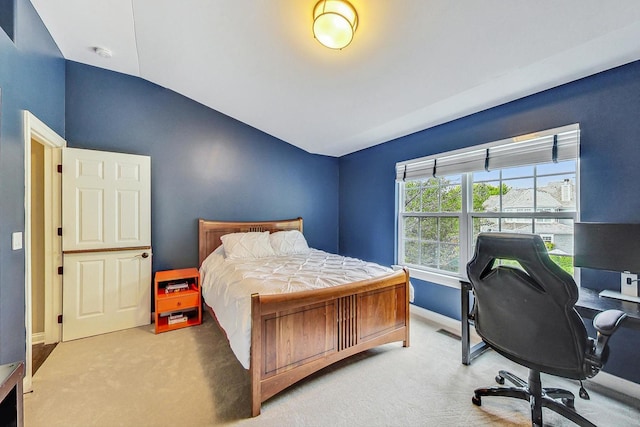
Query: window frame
point(466, 217)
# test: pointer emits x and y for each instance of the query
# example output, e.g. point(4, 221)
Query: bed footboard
point(295, 335)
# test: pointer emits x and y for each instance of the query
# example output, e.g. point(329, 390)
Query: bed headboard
point(209, 232)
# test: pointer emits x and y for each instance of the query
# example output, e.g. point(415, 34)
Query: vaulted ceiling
point(413, 64)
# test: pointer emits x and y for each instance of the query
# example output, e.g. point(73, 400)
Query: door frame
point(35, 129)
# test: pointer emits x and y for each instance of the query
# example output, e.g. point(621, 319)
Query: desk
point(589, 305)
point(11, 412)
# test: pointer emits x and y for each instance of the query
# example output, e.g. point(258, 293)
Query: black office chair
point(527, 314)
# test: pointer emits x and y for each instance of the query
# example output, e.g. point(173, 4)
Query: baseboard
point(37, 338)
point(612, 382)
point(617, 384)
point(450, 325)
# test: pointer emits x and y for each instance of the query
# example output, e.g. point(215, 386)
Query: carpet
point(190, 377)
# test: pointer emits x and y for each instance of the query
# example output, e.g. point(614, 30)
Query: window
point(524, 185)
point(432, 222)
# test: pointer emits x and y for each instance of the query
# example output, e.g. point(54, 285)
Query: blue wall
point(203, 164)
point(605, 105)
point(7, 14)
point(31, 78)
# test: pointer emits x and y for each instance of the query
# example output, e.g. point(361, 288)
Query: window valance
point(553, 145)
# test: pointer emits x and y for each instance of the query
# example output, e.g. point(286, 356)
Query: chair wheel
point(499, 379)
point(476, 400)
point(568, 403)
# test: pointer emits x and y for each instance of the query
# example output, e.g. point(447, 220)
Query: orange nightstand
point(178, 299)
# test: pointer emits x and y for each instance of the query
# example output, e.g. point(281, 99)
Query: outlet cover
point(630, 289)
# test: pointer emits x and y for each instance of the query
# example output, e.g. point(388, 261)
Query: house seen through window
point(522, 185)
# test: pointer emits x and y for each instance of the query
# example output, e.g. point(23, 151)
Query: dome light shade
point(334, 23)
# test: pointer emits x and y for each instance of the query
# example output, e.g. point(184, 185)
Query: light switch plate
point(16, 240)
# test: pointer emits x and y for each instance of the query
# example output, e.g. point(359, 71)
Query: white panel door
point(106, 200)
point(106, 242)
point(105, 292)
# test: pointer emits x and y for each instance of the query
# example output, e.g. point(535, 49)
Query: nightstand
point(177, 299)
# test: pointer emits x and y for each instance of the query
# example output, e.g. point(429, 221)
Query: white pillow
point(247, 245)
point(288, 242)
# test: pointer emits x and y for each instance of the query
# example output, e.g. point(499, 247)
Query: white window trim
point(453, 280)
point(438, 278)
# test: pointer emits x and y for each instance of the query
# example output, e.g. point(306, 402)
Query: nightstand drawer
point(178, 302)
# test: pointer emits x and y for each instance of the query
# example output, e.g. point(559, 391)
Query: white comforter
point(227, 285)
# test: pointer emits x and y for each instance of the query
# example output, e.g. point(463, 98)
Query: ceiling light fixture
point(334, 23)
point(102, 52)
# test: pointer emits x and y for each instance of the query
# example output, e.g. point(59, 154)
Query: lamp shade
point(334, 23)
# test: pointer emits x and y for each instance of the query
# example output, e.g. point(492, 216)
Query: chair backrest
point(528, 316)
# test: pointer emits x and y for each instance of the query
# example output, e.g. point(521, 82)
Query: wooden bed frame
point(296, 334)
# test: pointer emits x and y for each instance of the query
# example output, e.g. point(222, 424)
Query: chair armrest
point(607, 322)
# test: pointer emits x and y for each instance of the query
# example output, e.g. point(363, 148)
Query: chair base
point(558, 400)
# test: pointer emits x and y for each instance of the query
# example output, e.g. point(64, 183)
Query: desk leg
point(464, 317)
point(19, 400)
point(468, 353)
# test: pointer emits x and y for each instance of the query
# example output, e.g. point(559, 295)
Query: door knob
point(145, 255)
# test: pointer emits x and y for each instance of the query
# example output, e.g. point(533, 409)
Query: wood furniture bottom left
point(11, 409)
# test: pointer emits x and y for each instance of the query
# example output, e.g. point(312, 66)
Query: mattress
point(227, 285)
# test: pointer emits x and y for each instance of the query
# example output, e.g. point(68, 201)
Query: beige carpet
point(190, 377)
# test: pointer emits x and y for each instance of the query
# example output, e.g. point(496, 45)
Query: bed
point(293, 335)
